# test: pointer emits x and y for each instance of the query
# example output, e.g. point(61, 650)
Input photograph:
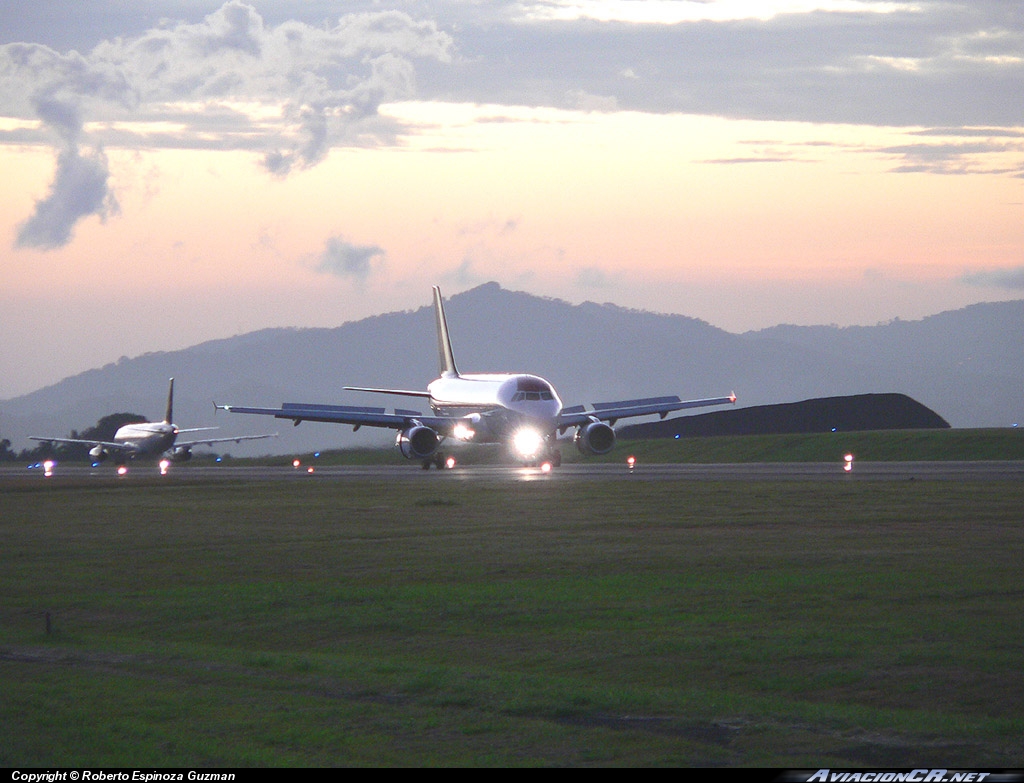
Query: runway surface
point(776, 471)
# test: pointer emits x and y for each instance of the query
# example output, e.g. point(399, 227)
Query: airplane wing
point(624, 409)
point(356, 415)
point(211, 441)
point(400, 392)
point(107, 444)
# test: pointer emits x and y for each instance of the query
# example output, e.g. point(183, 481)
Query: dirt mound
point(826, 414)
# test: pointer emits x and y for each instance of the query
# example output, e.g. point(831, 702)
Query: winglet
point(169, 416)
point(444, 341)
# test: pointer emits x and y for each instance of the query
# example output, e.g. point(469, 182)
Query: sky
point(175, 171)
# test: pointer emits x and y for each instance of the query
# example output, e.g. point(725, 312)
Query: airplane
point(150, 438)
point(520, 410)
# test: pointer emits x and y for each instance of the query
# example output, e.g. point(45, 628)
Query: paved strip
point(775, 471)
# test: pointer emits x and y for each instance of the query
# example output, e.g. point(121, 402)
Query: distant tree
point(106, 427)
point(6, 454)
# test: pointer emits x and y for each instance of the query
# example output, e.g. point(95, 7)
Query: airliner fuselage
point(150, 437)
point(496, 406)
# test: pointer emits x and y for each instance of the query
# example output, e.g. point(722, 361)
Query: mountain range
point(967, 365)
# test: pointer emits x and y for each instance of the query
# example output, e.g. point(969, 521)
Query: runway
point(775, 471)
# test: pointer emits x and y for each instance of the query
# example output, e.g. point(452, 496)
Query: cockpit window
point(520, 396)
point(528, 384)
point(532, 389)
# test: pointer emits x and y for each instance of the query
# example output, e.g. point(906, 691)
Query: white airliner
point(150, 438)
point(520, 410)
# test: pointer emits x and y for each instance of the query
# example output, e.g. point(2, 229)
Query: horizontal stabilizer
point(211, 441)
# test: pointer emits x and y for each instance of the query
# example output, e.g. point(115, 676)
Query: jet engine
point(595, 438)
point(98, 453)
point(181, 454)
point(417, 442)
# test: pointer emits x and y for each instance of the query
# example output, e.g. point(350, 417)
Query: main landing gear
point(439, 461)
point(553, 459)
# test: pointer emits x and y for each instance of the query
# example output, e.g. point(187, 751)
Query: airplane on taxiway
point(150, 438)
point(520, 410)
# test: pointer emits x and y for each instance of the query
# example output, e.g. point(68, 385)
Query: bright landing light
point(527, 442)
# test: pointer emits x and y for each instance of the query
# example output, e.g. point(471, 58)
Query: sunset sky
point(174, 171)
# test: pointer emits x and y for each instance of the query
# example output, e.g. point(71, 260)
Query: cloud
point(79, 189)
point(592, 277)
point(926, 63)
point(921, 63)
point(748, 159)
point(295, 80)
point(231, 81)
point(956, 157)
point(344, 259)
point(463, 275)
point(1011, 278)
point(80, 184)
point(580, 99)
point(674, 12)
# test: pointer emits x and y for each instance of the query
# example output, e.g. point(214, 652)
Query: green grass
point(879, 446)
point(563, 623)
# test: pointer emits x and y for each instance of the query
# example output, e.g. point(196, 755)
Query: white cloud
point(290, 86)
point(592, 277)
point(347, 260)
point(1012, 278)
point(322, 85)
point(79, 189)
point(679, 11)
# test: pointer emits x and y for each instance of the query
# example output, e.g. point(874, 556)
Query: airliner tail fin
point(444, 341)
point(169, 416)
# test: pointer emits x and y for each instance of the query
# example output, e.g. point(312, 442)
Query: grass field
point(877, 446)
point(570, 623)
